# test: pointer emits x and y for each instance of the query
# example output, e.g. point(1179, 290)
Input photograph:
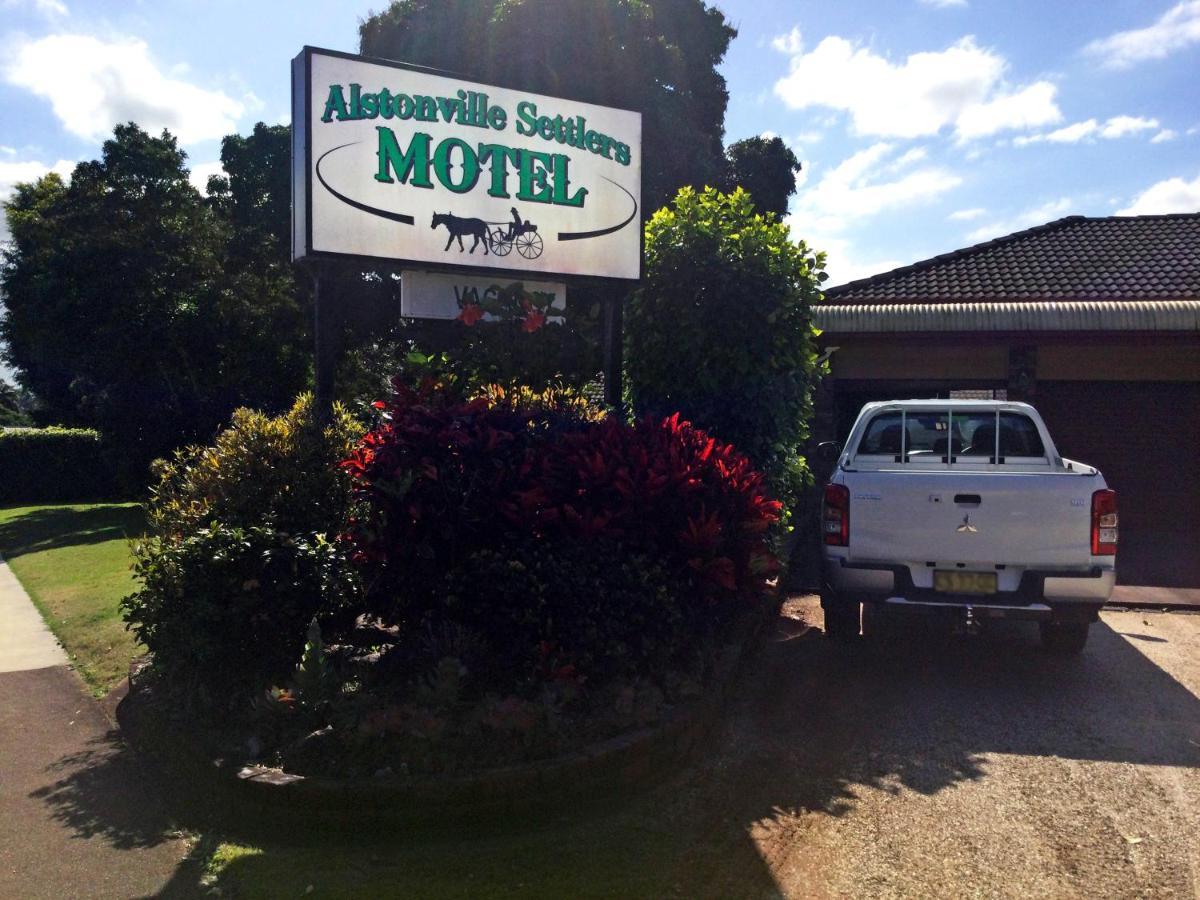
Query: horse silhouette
point(458, 227)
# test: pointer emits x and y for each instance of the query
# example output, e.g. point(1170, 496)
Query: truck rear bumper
point(884, 581)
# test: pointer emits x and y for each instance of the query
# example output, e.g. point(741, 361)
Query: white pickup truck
point(964, 509)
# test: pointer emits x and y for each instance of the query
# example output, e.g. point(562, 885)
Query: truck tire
point(841, 618)
point(1064, 638)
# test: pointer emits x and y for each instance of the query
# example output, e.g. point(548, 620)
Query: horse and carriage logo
point(498, 238)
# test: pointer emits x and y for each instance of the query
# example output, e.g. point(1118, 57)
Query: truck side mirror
point(828, 451)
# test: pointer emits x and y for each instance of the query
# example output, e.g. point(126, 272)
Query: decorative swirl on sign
point(583, 235)
point(382, 213)
point(408, 220)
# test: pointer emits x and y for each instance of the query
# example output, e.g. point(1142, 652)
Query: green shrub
point(277, 471)
point(226, 609)
point(242, 552)
point(54, 465)
point(720, 329)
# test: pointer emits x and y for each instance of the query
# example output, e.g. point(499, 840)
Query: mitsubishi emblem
point(966, 527)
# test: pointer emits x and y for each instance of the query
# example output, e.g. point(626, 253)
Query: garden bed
point(270, 796)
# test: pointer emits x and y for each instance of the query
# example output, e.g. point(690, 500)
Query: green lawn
point(74, 561)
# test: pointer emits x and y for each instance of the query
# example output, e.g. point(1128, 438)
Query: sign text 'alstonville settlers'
point(402, 164)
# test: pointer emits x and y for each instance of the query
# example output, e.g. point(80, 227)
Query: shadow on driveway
point(814, 726)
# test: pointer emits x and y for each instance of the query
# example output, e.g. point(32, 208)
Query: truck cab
point(964, 509)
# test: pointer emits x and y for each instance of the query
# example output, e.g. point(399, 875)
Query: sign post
point(325, 355)
point(398, 164)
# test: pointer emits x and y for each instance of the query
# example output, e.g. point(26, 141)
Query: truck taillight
point(1104, 523)
point(835, 515)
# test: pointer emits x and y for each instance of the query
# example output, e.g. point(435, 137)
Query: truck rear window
point(936, 437)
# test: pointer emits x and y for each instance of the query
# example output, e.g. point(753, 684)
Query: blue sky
point(924, 125)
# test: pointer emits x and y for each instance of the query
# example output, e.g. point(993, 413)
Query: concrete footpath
point(79, 817)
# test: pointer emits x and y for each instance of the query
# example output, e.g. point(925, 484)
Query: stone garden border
point(619, 765)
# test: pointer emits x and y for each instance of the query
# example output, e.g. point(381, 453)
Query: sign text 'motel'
point(396, 163)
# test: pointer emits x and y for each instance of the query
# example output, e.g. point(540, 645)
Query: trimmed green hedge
point(52, 465)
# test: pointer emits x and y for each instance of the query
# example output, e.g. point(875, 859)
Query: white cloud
point(790, 42)
point(1038, 215)
point(871, 181)
point(943, 4)
point(1174, 195)
point(1175, 29)
point(15, 172)
point(1167, 134)
point(1071, 134)
point(1119, 126)
point(961, 86)
point(50, 8)
point(967, 215)
point(1090, 129)
point(199, 173)
point(809, 137)
point(856, 189)
point(916, 154)
point(92, 85)
point(1027, 108)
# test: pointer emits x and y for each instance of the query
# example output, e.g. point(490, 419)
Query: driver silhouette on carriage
point(515, 227)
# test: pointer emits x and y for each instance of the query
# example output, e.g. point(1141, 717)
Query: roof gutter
point(1084, 315)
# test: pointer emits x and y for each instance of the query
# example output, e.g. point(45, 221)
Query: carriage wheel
point(500, 246)
point(529, 244)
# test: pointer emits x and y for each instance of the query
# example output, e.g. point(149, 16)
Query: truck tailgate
point(1026, 519)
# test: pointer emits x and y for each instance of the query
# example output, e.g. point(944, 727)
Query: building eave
point(1086, 315)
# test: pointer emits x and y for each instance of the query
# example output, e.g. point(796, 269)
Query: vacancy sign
point(441, 295)
point(395, 163)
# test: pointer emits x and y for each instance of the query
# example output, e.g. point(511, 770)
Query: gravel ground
point(969, 767)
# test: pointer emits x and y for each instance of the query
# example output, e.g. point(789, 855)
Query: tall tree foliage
point(137, 307)
point(766, 168)
point(267, 315)
point(112, 285)
point(656, 56)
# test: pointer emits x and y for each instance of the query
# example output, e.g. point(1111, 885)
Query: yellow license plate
point(965, 582)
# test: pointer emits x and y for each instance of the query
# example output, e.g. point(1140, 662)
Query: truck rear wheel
point(1065, 638)
point(841, 617)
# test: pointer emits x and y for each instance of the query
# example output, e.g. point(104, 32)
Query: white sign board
point(391, 162)
point(438, 295)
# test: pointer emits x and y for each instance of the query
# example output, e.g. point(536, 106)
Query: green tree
point(656, 56)
point(12, 409)
point(112, 286)
point(266, 306)
point(139, 308)
point(720, 329)
point(766, 168)
point(254, 193)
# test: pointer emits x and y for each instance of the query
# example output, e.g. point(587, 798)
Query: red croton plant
point(441, 477)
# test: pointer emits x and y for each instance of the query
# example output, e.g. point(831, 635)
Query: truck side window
point(883, 436)
point(1019, 437)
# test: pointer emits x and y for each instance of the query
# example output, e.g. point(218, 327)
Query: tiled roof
point(1114, 258)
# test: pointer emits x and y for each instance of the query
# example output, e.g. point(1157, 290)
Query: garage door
point(1145, 438)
